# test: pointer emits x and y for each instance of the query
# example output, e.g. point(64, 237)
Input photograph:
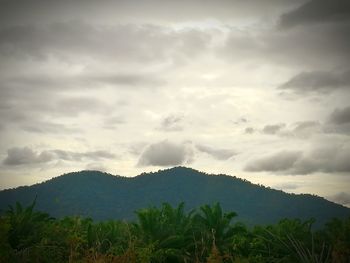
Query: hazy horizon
point(254, 89)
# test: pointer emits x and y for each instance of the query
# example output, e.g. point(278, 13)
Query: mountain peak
point(178, 170)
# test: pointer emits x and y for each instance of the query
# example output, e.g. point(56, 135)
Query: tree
point(213, 230)
point(166, 232)
point(25, 225)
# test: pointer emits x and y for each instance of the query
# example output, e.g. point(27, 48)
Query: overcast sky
point(258, 89)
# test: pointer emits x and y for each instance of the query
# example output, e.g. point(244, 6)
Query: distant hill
point(104, 196)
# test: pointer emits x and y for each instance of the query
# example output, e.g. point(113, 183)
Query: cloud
point(78, 156)
point(278, 162)
point(96, 167)
point(66, 69)
point(166, 153)
point(305, 129)
point(136, 148)
point(305, 125)
point(48, 127)
point(317, 82)
point(31, 108)
point(128, 43)
point(317, 11)
point(56, 98)
point(113, 122)
point(301, 130)
point(22, 156)
point(341, 198)
point(340, 116)
point(127, 79)
point(77, 105)
point(151, 11)
point(240, 121)
point(286, 186)
point(219, 154)
point(312, 46)
point(172, 123)
point(327, 159)
point(273, 129)
point(249, 130)
point(338, 122)
point(25, 155)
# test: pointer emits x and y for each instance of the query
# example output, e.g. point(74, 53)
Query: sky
point(255, 89)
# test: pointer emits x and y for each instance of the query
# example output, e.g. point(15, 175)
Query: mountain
point(104, 196)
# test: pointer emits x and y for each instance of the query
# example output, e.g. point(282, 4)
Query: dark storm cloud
point(219, 154)
point(317, 81)
point(166, 154)
point(273, 129)
point(21, 156)
point(317, 11)
point(330, 159)
point(172, 123)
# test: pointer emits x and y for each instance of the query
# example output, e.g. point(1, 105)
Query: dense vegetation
point(103, 196)
point(168, 234)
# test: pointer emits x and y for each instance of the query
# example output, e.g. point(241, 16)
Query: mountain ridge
point(105, 196)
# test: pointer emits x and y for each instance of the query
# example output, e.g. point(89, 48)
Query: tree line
point(168, 234)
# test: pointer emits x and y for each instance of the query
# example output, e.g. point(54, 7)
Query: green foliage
point(166, 230)
point(25, 225)
point(168, 234)
point(213, 231)
point(338, 233)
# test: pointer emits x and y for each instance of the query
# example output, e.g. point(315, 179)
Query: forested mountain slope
point(104, 196)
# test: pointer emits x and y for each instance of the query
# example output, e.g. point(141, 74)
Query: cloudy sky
point(258, 89)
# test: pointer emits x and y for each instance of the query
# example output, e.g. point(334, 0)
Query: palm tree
point(213, 230)
point(25, 225)
point(166, 231)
